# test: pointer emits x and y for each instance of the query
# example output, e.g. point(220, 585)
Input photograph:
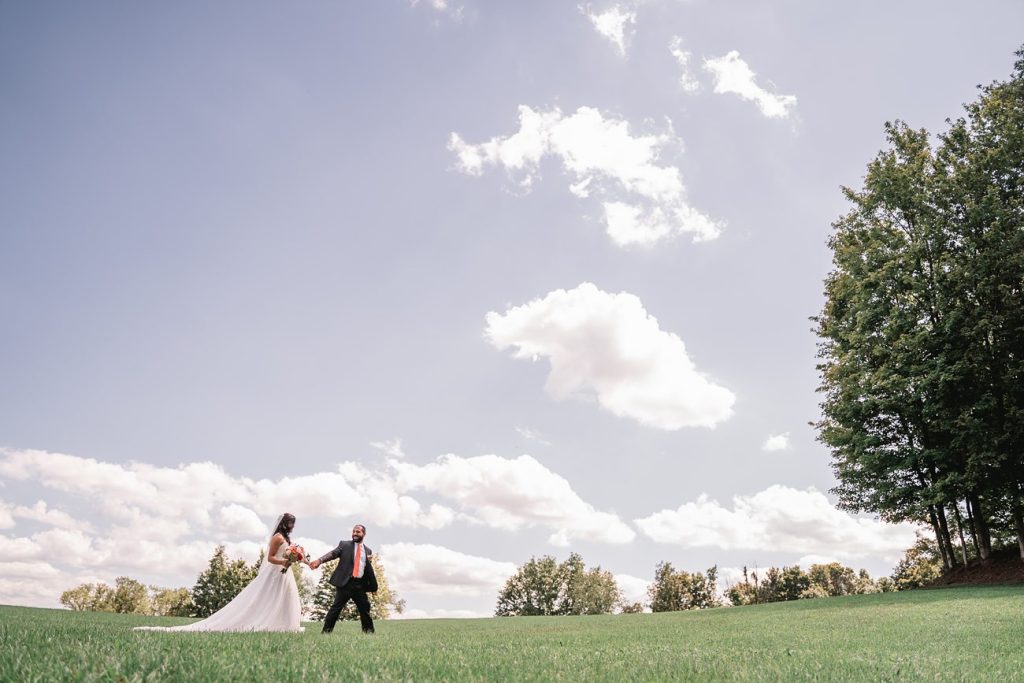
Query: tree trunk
point(973, 527)
point(1018, 521)
point(933, 518)
point(984, 535)
point(960, 531)
point(946, 540)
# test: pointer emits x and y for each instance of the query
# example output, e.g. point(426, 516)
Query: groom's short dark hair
point(361, 526)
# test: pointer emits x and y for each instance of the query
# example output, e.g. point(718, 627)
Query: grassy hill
point(971, 633)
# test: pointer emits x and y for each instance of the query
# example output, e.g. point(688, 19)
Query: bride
point(269, 603)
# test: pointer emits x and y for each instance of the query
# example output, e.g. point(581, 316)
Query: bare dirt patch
point(1005, 566)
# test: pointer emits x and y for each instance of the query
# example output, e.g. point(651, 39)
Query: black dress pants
point(353, 590)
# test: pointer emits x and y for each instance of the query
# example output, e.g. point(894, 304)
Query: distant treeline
point(544, 587)
point(215, 587)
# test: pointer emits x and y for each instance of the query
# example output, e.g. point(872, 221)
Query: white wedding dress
point(269, 603)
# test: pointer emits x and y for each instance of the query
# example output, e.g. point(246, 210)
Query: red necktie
point(355, 565)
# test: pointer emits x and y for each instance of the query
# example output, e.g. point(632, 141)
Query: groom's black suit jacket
point(346, 555)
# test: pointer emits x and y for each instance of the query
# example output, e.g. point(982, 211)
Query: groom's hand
point(314, 564)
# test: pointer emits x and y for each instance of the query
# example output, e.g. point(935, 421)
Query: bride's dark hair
point(284, 524)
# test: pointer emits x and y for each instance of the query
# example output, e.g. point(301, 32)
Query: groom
point(353, 577)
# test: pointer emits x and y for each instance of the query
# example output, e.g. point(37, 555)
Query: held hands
point(314, 564)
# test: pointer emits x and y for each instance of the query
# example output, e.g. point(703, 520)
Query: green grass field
point(970, 634)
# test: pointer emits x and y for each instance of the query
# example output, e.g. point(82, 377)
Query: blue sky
point(369, 262)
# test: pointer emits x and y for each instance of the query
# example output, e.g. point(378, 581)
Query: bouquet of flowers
point(295, 553)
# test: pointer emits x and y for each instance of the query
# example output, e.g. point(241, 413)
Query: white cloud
point(779, 519)
point(643, 202)
point(28, 569)
point(442, 7)
point(686, 79)
point(634, 589)
point(733, 75)
point(20, 586)
point(191, 493)
point(391, 447)
point(502, 493)
point(238, 519)
point(169, 538)
point(515, 493)
point(532, 435)
point(776, 442)
point(6, 516)
point(729, 576)
point(435, 570)
point(41, 512)
point(612, 24)
point(606, 345)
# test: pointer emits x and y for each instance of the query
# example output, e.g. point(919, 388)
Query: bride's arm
point(275, 545)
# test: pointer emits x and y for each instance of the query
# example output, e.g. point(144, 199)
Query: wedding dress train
point(269, 603)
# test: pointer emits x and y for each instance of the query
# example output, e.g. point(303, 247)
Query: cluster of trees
point(544, 587)
point(922, 332)
point(218, 585)
point(674, 590)
point(128, 596)
point(793, 583)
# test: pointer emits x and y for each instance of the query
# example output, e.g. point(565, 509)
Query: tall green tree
point(980, 178)
point(171, 602)
point(544, 587)
point(88, 597)
point(534, 590)
point(220, 582)
point(921, 331)
point(587, 591)
point(674, 590)
point(919, 567)
point(130, 596)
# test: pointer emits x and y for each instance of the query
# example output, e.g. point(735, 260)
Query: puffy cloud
point(41, 570)
point(433, 569)
point(37, 585)
point(634, 589)
point(442, 7)
point(391, 447)
point(500, 492)
point(733, 75)
point(686, 79)
point(606, 345)
point(169, 539)
point(353, 489)
point(778, 519)
point(776, 442)
point(191, 493)
point(238, 519)
point(729, 576)
point(515, 493)
point(643, 202)
point(41, 512)
point(612, 24)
